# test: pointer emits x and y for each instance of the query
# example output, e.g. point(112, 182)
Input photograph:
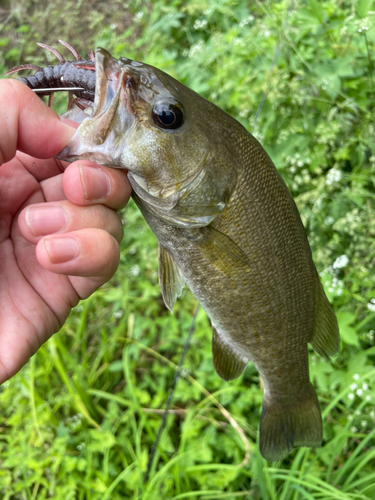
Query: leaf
point(115, 366)
point(357, 363)
point(345, 318)
point(306, 20)
point(347, 333)
point(317, 10)
point(362, 7)
point(101, 440)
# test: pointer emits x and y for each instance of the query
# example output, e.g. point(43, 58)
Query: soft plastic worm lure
point(76, 77)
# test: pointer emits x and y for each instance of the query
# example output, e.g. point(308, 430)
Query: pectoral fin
point(228, 364)
point(171, 283)
point(223, 252)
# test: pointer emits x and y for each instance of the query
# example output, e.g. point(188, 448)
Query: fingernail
point(61, 250)
point(96, 183)
point(45, 220)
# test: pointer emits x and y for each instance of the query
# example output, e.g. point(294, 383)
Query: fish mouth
point(97, 139)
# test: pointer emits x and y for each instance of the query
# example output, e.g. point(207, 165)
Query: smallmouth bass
point(227, 226)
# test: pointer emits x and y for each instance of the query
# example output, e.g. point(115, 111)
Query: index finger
point(28, 125)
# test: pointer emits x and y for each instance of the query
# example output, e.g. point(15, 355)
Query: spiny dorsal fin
point(325, 339)
point(228, 364)
point(171, 283)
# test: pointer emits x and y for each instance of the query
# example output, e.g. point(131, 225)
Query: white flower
point(364, 387)
point(333, 175)
point(118, 314)
point(353, 387)
point(340, 262)
point(329, 220)
point(197, 47)
point(363, 423)
point(351, 396)
point(200, 24)
point(359, 392)
point(370, 306)
point(134, 270)
point(356, 376)
point(368, 398)
point(246, 21)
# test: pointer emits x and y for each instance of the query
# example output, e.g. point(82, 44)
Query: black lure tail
point(77, 77)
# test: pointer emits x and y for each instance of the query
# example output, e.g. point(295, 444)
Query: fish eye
point(168, 115)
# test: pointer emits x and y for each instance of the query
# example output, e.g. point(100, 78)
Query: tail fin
point(283, 427)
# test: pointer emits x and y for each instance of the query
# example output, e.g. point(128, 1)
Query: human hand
point(59, 232)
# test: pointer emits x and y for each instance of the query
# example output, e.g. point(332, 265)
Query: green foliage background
point(79, 420)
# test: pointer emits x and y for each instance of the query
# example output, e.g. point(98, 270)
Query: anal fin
point(228, 364)
point(171, 283)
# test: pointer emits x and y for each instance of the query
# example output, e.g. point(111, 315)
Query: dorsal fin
point(325, 339)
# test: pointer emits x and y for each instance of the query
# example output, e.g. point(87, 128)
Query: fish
point(227, 227)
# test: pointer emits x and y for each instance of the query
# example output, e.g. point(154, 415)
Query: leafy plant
point(80, 419)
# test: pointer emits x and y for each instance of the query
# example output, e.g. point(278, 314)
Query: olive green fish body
point(227, 226)
point(258, 291)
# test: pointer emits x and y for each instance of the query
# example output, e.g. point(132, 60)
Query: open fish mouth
point(97, 139)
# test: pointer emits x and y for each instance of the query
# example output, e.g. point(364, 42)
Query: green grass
point(79, 421)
